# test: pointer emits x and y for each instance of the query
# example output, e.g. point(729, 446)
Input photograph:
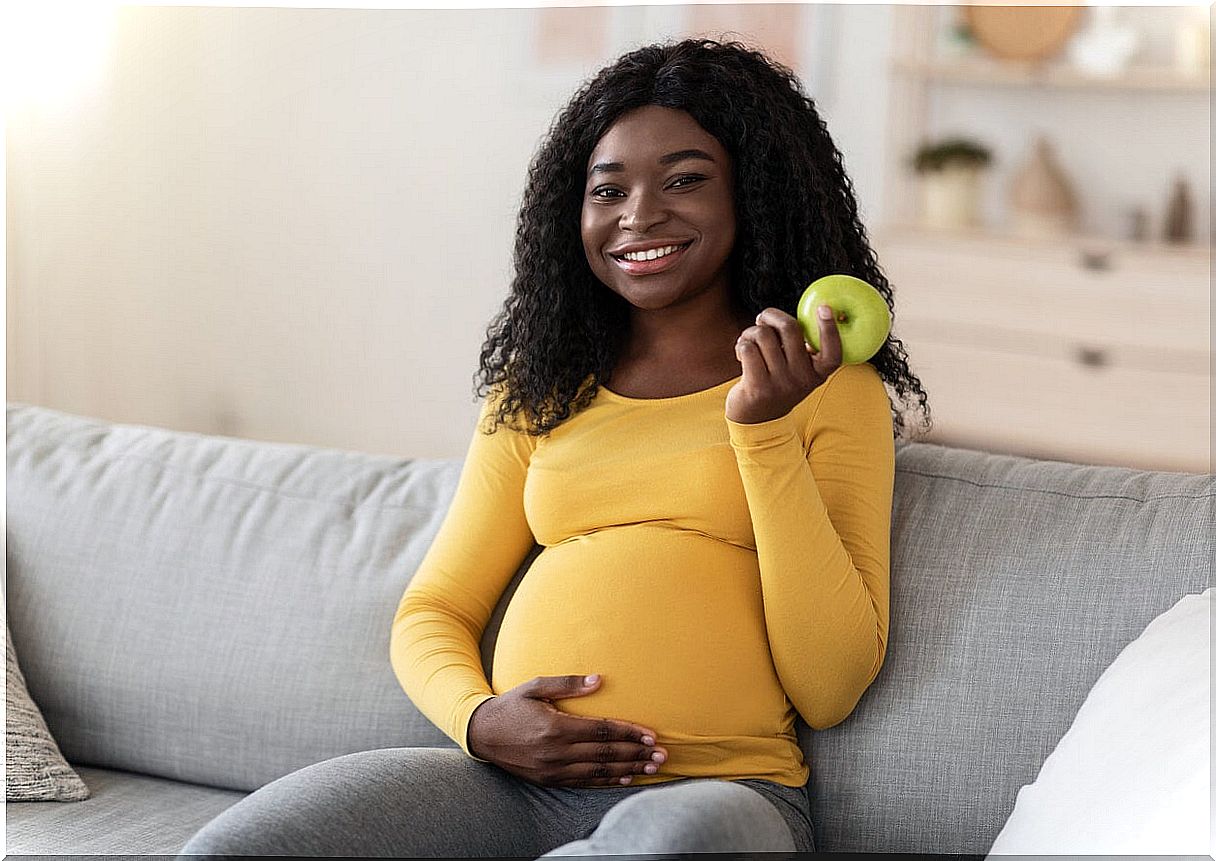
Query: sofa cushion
point(128, 814)
point(1015, 583)
point(1132, 774)
point(210, 609)
point(34, 767)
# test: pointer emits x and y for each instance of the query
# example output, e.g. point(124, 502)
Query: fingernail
point(646, 739)
point(625, 780)
point(825, 312)
point(651, 769)
point(591, 680)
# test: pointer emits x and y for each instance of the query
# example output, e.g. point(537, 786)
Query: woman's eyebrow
point(670, 158)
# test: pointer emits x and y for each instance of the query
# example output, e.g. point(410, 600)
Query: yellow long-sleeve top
point(718, 575)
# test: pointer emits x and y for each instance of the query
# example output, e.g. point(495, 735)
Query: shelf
point(1191, 251)
point(988, 72)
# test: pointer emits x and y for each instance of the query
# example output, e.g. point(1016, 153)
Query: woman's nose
point(642, 213)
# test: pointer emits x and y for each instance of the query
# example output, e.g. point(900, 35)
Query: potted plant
point(949, 172)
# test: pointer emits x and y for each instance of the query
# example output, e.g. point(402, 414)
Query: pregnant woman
point(712, 496)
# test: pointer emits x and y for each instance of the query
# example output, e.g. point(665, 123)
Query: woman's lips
point(649, 267)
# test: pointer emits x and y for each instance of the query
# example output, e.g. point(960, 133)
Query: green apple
point(862, 316)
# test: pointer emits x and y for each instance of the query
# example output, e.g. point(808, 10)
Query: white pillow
point(1132, 774)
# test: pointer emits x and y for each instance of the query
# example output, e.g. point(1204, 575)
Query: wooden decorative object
point(1042, 200)
point(1025, 33)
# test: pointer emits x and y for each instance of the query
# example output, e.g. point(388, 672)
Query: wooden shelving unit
point(1085, 348)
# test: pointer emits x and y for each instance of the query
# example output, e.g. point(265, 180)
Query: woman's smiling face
point(657, 178)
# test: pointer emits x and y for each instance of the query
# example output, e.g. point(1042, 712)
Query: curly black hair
point(796, 213)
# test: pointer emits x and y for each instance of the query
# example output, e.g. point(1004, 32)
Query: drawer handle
point(1092, 358)
point(1096, 261)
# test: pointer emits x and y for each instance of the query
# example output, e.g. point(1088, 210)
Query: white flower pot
point(951, 197)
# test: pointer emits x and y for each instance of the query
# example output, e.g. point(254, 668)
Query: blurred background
point(296, 224)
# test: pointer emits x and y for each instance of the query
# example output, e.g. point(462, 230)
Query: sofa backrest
point(211, 609)
point(1015, 583)
point(217, 610)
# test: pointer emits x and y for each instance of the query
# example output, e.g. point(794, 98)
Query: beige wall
point(286, 224)
point(295, 224)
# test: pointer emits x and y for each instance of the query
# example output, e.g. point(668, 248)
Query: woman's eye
point(602, 191)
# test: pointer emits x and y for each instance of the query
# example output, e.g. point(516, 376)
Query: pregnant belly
point(673, 620)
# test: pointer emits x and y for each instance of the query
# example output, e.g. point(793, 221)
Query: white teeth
point(652, 254)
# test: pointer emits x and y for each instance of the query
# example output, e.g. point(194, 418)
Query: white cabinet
point(1075, 350)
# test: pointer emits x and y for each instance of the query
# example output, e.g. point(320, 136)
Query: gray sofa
point(197, 616)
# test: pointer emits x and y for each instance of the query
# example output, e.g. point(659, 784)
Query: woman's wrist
point(474, 724)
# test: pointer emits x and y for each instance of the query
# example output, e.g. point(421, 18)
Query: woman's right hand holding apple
point(522, 732)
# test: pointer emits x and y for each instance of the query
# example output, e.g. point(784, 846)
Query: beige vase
point(950, 197)
point(1042, 200)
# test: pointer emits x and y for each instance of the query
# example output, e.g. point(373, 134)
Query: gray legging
point(437, 802)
